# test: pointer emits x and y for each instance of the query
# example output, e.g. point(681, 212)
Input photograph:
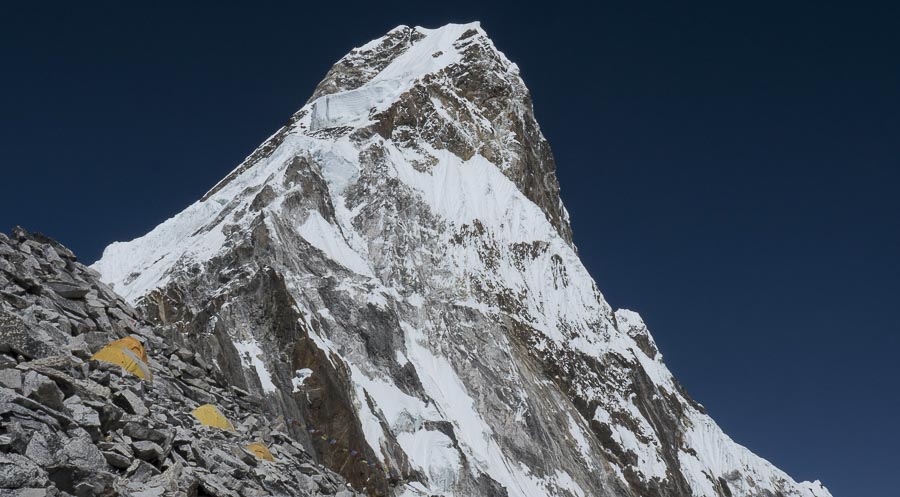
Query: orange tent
point(261, 451)
point(131, 344)
point(210, 415)
point(125, 358)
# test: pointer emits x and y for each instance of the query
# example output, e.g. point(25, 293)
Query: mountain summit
point(394, 268)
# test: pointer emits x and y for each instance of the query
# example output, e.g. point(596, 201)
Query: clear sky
point(732, 171)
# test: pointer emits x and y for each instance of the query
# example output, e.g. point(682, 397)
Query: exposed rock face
point(69, 426)
point(395, 267)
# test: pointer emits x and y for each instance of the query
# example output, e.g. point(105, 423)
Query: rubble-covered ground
point(71, 426)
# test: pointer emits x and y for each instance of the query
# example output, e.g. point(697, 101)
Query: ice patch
point(580, 439)
point(428, 450)
point(415, 300)
point(649, 461)
point(474, 436)
point(325, 236)
point(353, 107)
point(299, 377)
point(251, 357)
point(433, 452)
point(350, 107)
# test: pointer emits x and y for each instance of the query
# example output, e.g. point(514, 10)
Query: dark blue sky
point(731, 172)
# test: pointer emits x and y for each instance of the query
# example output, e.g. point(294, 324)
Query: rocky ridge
point(70, 426)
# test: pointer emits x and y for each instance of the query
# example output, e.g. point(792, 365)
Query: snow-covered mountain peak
point(435, 91)
point(442, 107)
point(403, 55)
point(371, 78)
point(401, 245)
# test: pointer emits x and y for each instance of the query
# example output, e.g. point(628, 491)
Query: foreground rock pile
point(71, 426)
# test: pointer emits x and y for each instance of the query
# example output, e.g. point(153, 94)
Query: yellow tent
point(133, 345)
point(210, 415)
point(261, 451)
point(125, 358)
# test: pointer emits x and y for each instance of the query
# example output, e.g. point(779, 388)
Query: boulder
point(96, 340)
point(117, 447)
point(74, 309)
point(80, 451)
point(116, 460)
point(325, 486)
point(52, 256)
point(31, 341)
point(184, 354)
point(102, 323)
point(7, 268)
point(16, 438)
point(123, 320)
point(128, 400)
point(68, 290)
point(85, 483)
point(173, 481)
point(43, 390)
point(17, 471)
point(147, 450)
point(86, 389)
point(7, 362)
point(44, 448)
point(16, 301)
point(140, 471)
point(307, 485)
point(110, 415)
point(139, 431)
point(84, 416)
point(31, 492)
point(216, 485)
point(11, 378)
point(185, 368)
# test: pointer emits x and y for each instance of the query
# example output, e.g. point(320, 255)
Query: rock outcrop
point(72, 426)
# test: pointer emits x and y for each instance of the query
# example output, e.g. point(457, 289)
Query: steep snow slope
point(401, 245)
